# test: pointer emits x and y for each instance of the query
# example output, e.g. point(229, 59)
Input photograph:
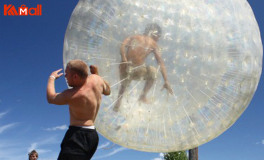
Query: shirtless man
point(84, 98)
point(134, 51)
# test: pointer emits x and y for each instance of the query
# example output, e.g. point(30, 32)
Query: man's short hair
point(79, 67)
point(153, 29)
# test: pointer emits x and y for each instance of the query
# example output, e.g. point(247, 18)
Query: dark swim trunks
point(79, 144)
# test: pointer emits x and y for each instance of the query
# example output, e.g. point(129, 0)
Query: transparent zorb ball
point(209, 50)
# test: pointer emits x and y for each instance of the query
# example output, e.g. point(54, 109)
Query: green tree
point(180, 155)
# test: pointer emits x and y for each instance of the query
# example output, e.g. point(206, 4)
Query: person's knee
point(152, 73)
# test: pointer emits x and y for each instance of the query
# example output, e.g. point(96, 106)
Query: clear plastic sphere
point(208, 53)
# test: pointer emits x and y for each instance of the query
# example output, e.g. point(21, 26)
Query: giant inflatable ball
point(181, 72)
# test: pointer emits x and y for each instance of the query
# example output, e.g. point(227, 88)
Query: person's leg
point(125, 81)
point(79, 144)
point(150, 79)
point(67, 135)
point(92, 143)
point(120, 95)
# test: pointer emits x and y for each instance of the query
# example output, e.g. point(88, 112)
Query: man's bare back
point(85, 102)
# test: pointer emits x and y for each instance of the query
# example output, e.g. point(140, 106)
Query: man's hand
point(56, 74)
point(168, 87)
point(94, 70)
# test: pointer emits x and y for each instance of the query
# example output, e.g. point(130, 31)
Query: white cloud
point(261, 142)
point(32, 147)
point(42, 144)
point(11, 154)
point(103, 145)
point(18, 148)
point(161, 155)
point(42, 151)
point(3, 114)
point(106, 146)
point(51, 140)
point(12, 149)
point(62, 127)
point(115, 151)
point(6, 127)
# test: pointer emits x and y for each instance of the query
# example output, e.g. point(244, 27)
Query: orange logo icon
point(10, 10)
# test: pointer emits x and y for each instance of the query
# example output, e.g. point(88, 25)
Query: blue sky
point(31, 48)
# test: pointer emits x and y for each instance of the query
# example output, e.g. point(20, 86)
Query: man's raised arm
point(52, 96)
point(163, 70)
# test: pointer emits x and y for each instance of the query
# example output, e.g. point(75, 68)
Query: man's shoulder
point(70, 90)
point(68, 93)
point(96, 78)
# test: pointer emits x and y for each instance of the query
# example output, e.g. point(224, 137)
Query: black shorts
point(79, 144)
